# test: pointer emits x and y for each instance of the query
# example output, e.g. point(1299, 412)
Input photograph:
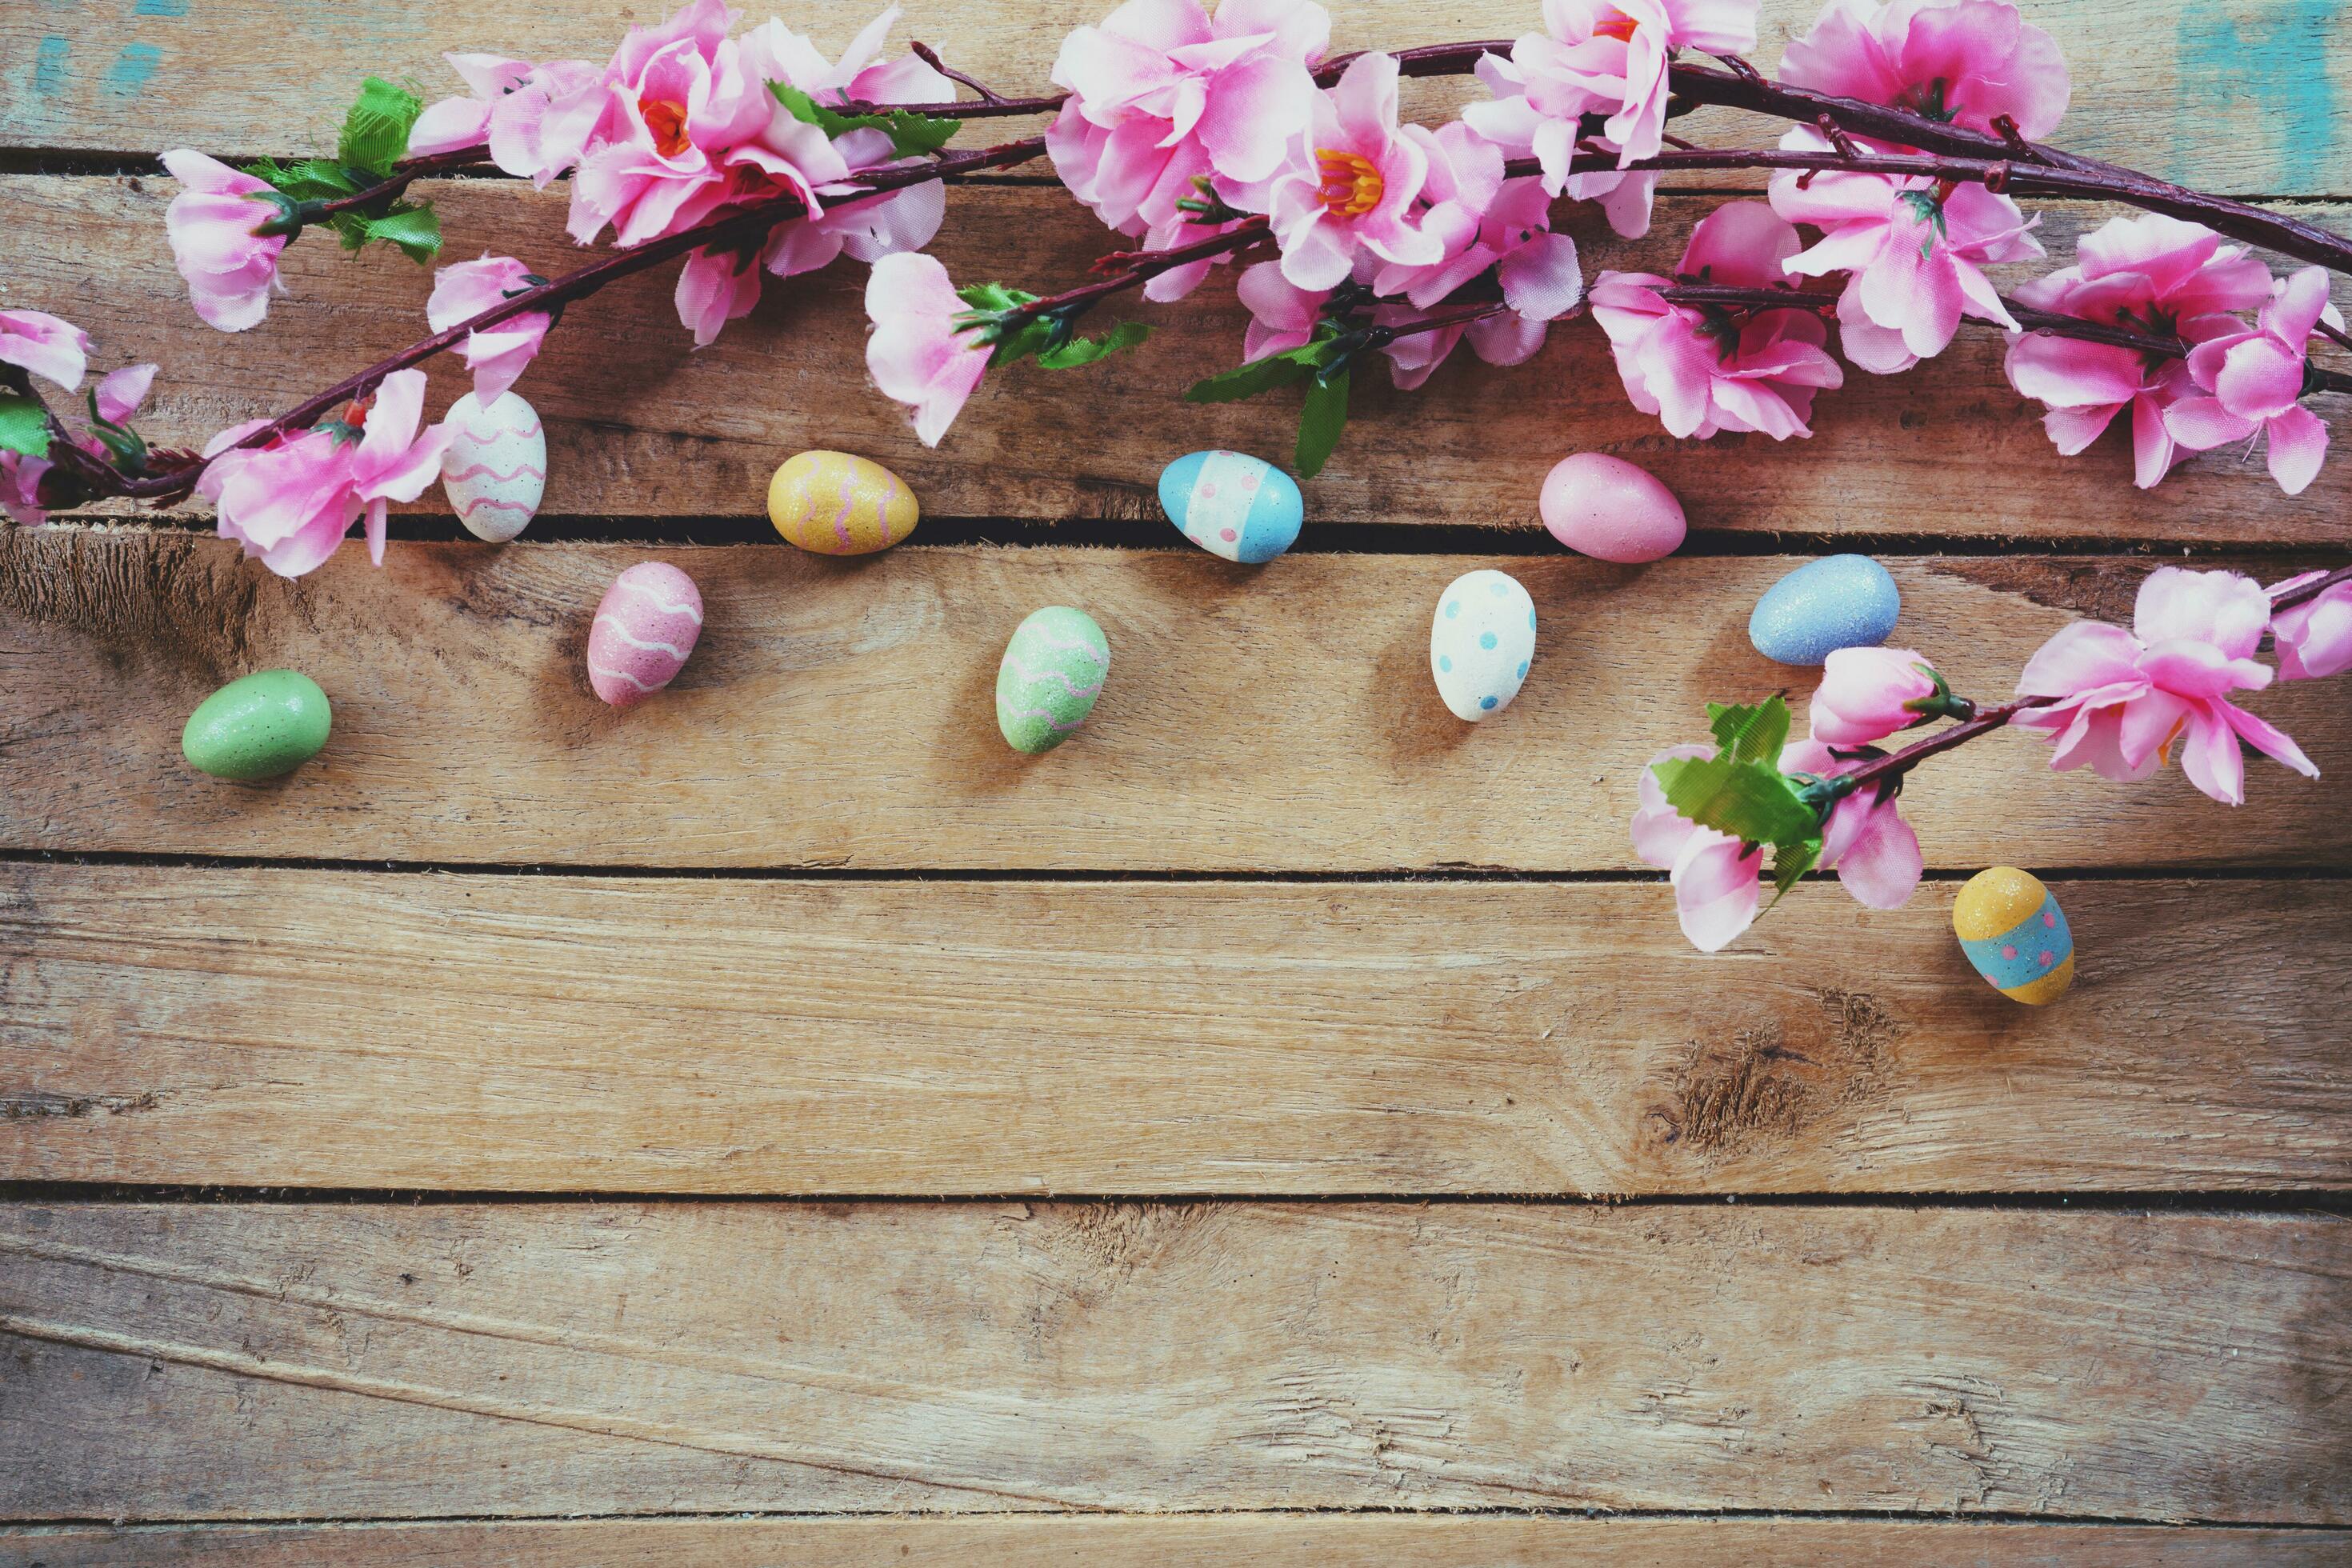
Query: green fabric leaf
point(1086, 351)
point(416, 230)
point(912, 135)
point(1792, 860)
point(375, 130)
point(985, 298)
point(1258, 375)
point(1751, 734)
point(1324, 416)
point(24, 426)
point(306, 179)
point(1752, 801)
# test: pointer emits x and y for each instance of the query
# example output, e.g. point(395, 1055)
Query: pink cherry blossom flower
point(20, 488)
point(1868, 693)
point(1485, 224)
point(1915, 255)
point(120, 393)
point(2255, 380)
point(292, 502)
point(2153, 274)
point(1718, 880)
point(688, 127)
point(714, 288)
point(2124, 697)
point(1600, 57)
point(1349, 187)
point(496, 355)
point(1864, 840)
point(534, 119)
point(2314, 638)
point(1702, 370)
point(51, 348)
point(1282, 314)
point(1965, 62)
point(215, 228)
point(917, 355)
point(864, 227)
point(1163, 94)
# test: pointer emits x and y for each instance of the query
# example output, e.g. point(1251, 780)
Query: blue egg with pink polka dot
point(1481, 641)
point(1232, 504)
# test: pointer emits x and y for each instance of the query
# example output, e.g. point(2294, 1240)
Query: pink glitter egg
point(1606, 507)
point(646, 627)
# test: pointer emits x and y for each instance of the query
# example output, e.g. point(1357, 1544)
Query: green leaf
point(306, 179)
point(1792, 860)
point(911, 135)
point(1751, 734)
point(1258, 375)
point(1321, 420)
point(416, 230)
point(1752, 801)
point(375, 130)
point(1086, 351)
point(988, 298)
point(24, 426)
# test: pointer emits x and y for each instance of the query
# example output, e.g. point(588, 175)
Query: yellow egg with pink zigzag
point(834, 503)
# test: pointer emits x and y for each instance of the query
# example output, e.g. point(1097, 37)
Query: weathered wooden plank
point(1286, 1541)
point(264, 1028)
point(235, 1362)
point(2231, 96)
point(839, 714)
point(641, 425)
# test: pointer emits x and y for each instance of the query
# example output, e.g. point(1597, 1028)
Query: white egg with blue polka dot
point(1481, 642)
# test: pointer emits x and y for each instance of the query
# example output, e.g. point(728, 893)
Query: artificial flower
point(714, 288)
point(51, 348)
point(1961, 62)
point(1282, 315)
point(216, 226)
point(1704, 369)
point(496, 355)
point(292, 502)
point(20, 488)
point(1596, 56)
point(1868, 693)
point(2151, 274)
point(534, 119)
point(2253, 380)
point(120, 393)
point(2314, 639)
point(1350, 186)
point(916, 354)
point(2120, 700)
point(1509, 235)
point(1914, 252)
point(1864, 840)
point(1718, 880)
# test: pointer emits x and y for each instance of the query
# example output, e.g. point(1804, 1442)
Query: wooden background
point(780, 1125)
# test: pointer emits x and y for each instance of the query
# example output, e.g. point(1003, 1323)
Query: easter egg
point(1052, 672)
point(495, 469)
point(1232, 504)
point(268, 723)
point(832, 503)
point(2015, 935)
point(1839, 601)
point(646, 625)
point(1480, 643)
point(1606, 507)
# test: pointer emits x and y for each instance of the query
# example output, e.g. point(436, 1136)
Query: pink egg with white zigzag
point(646, 627)
point(495, 470)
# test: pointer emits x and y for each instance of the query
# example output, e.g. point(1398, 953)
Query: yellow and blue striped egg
point(2015, 935)
point(832, 503)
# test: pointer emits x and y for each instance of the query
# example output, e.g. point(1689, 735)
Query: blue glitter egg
point(1839, 601)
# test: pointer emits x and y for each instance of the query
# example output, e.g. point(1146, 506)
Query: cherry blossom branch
point(743, 227)
point(2032, 320)
point(404, 174)
point(1129, 268)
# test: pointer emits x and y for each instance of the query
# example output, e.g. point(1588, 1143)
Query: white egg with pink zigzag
point(495, 470)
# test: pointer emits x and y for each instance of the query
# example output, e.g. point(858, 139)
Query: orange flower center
point(1614, 24)
point(1351, 186)
point(665, 118)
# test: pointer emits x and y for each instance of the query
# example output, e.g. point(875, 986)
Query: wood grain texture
point(839, 713)
point(229, 1361)
point(262, 1028)
point(2233, 97)
point(640, 425)
point(1290, 1541)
